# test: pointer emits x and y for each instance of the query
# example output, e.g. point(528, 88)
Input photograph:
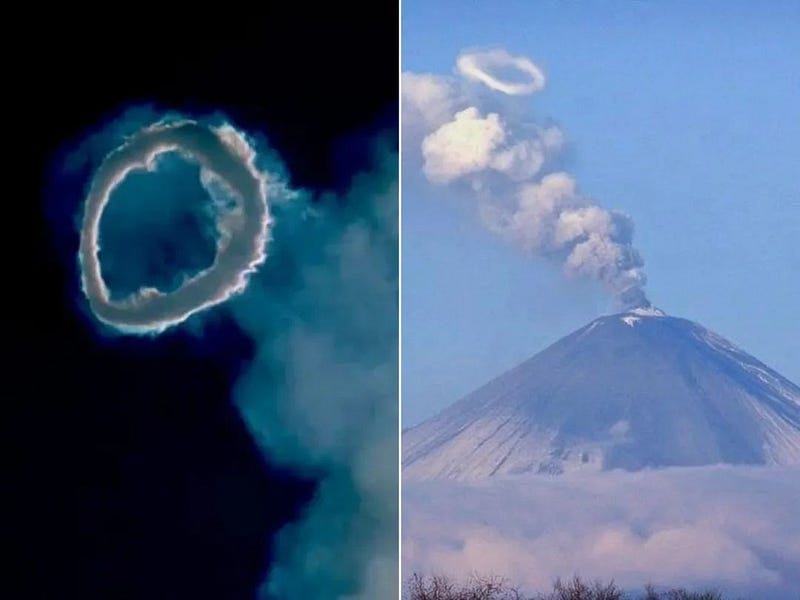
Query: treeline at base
point(440, 587)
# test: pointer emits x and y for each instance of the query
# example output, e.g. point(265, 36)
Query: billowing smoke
point(314, 282)
point(321, 396)
point(507, 162)
point(553, 219)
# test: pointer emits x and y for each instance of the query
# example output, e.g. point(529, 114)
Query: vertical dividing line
point(399, 299)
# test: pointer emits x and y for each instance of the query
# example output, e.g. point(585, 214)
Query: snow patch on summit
point(648, 311)
point(633, 316)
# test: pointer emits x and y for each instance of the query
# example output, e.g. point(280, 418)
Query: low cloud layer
point(505, 161)
point(732, 528)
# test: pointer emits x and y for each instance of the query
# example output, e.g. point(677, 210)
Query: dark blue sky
point(133, 473)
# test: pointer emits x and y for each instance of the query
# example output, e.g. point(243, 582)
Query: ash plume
point(505, 162)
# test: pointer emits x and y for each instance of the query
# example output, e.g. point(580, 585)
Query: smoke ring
point(478, 65)
point(226, 158)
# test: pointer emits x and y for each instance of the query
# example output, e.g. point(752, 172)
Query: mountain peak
point(632, 316)
point(647, 311)
point(634, 390)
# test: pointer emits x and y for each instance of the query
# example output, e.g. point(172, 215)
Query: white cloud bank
point(736, 529)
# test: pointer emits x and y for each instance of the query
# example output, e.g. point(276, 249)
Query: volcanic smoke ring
point(478, 67)
point(226, 158)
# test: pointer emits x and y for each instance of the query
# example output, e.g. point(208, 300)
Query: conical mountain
point(632, 391)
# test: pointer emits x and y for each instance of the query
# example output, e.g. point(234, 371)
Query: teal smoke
point(157, 229)
point(321, 394)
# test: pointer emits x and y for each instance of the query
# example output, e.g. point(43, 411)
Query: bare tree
point(577, 589)
point(440, 587)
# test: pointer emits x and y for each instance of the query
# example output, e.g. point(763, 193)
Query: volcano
point(634, 390)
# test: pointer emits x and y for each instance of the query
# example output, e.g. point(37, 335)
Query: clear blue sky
point(685, 115)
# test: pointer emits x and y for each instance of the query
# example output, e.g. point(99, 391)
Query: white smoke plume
point(428, 100)
point(507, 162)
point(553, 219)
point(472, 143)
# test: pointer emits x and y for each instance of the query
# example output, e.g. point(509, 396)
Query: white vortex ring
point(478, 66)
point(224, 156)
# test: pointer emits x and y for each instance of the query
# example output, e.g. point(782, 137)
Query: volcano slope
point(629, 391)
